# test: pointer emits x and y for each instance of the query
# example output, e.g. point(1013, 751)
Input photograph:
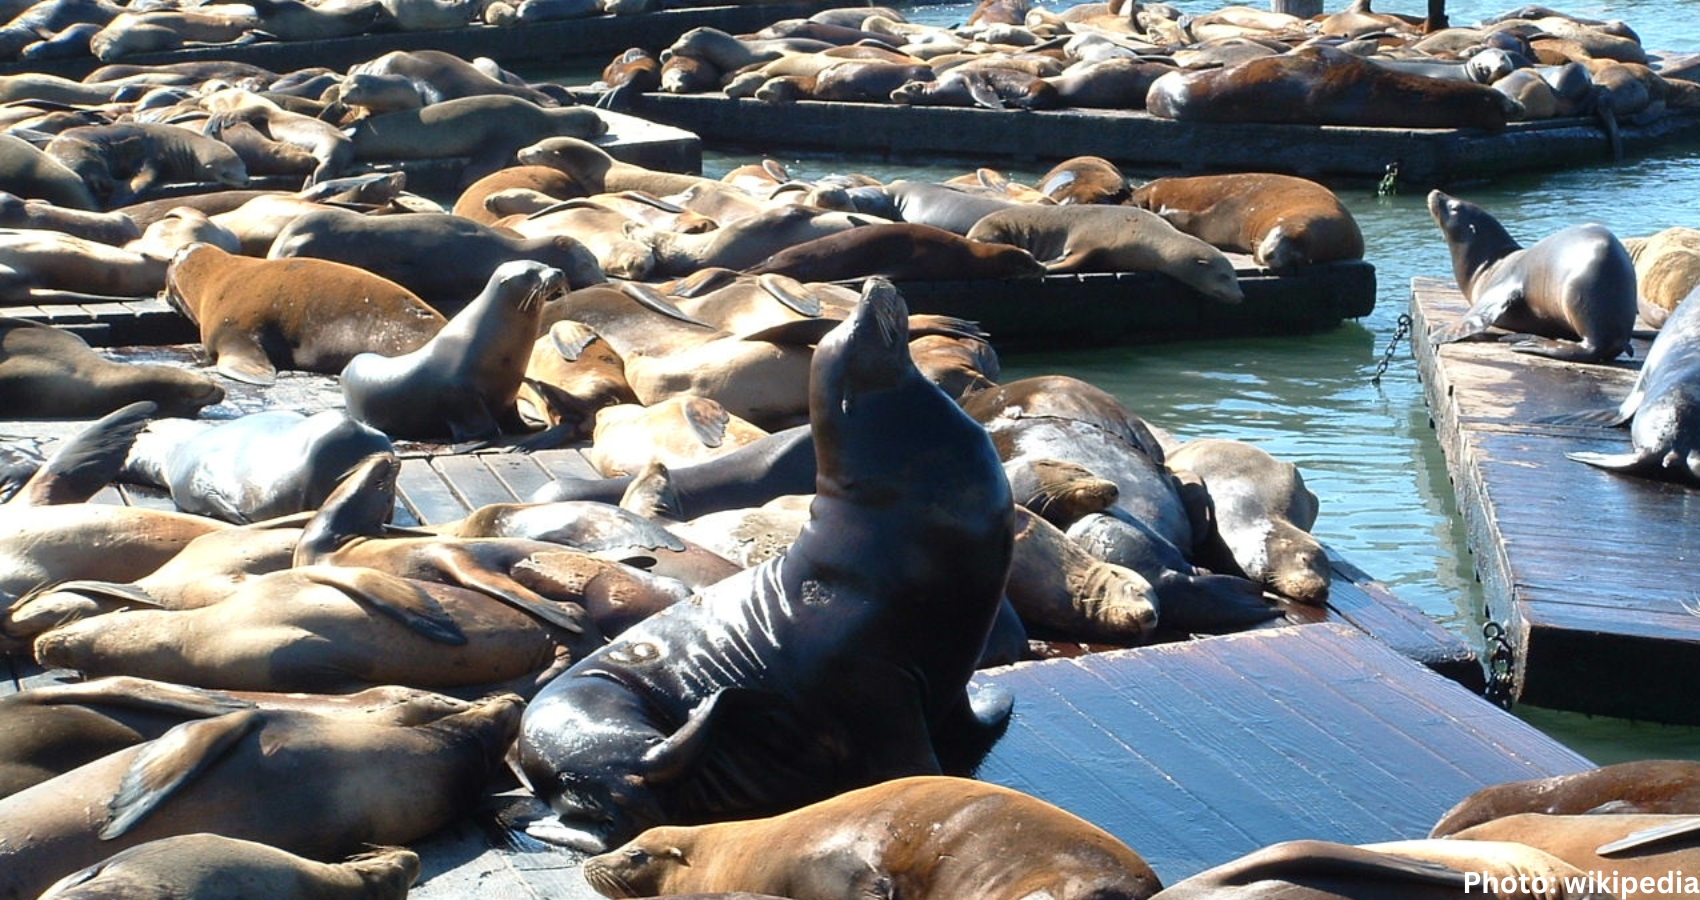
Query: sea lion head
point(643, 866)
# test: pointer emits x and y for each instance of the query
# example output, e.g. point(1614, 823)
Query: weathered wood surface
point(537, 42)
point(1055, 311)
point(1426, 156)
point(1589, 570)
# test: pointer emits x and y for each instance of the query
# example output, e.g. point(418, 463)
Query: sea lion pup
point(464, 381)
point(1322, 870)
point(1573, 290)
point(1063, 592)
point(49, 373)
point(1662, 786)
point(1332, 87)
point(1112, 239)
point(114, 228)
point(322, 786)
point(1280, 220)
point(1264, 514)
point(901, 251)
point(51, 730)
point(938, 837)
point(311, 315)
point(213, 867)
point(865, 681)
point(122, 162)
point(488, 129)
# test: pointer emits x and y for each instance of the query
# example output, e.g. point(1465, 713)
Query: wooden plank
point(566, 464)
point(471, 481)
point(1575, 561)
point(423, 492)
point(519, 471)
point(1369, 606)
point(1426, 156)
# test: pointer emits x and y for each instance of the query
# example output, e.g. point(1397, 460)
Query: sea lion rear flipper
point(128, 692)
point(1632, 462)
point(469, 573)
point(89, 461)
point(168, 762)
point(1211, 603)
point(394, 597)
point(1570, 351)
point(1608, 418)
point(1646, 836)
point(1482, 314)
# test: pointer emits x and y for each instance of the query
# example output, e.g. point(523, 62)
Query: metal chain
point(1403, 328)
point(1499, 665)
point(1389, 181)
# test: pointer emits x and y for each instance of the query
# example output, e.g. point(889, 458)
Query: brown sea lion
point(546, 180)
point(464, 381)
point(1661, 852)
point(1661, 786)
point(1667, 269)
point(54, 261)
point(591, 166)
point(679, 431)
point(303, 314)
point(1333, 88)
point(49, 373)
point(571, 374)
point(938, 837)
point(210, 866)
point(1063, 592)
point(1059, 492)
point(1086, 179)
point(1573, 290)
point(42, 545)
point(1281, 220)
point(1112, 239)
point(316, 785)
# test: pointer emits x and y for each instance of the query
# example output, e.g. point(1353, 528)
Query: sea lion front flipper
point(1482, 314)
point(1646, 836)
point(168, 762)
point(708, 420)
point(468, 572)
point(798, 333)
point(103, 590)
point(129, 692)
point(962, 739)
point(791, 293)
point(652, 495)
point(88, 461)
point(395, 597)
point(569, 338)
point(246, 363)
point(1569, 351)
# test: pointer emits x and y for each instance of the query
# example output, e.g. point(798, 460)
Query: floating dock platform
point(1588, 570)
point(537, 43)
point(1192, 754)
point(1056, 311)
point(1144, 142)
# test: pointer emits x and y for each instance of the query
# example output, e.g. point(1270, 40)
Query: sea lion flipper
point(652, 299)
point(1652, 835)
point(394, 597)
point(708, 420)
point(569, 338)
point(89, 461)
point(248, 365)
point(168, 762)
point(105, 590)
point(1480, 317)
point(1616, 462)
point(128, 692)
point(792, 293)
point(469, 573)
point(1550, 348)
point(800, 333)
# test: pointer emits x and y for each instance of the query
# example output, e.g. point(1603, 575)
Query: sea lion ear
point(677, 854)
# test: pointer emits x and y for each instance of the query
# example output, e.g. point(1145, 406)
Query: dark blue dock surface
point(1590, 571)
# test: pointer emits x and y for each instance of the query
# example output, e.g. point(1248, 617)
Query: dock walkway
point(1192, 754)
point(1588, 570)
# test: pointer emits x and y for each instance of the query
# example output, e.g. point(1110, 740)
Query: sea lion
point(1319, 85)
point(901, 252)
point(1115, 83)
point(1112, 239)
point(986, 88)
point(1063, 397)
point(1659, 786)
point(112, 228)
point(1573, 290)
point(938, 837)
point(209, 866)
point(409, 251)
point(1667, 269)
point(617, 241)
point(463, 382)
point(42, 545)
point(317, 785)
point(1662, 409)
point(1321, 870)
point(438, 77)
point(488, 129)
point(620, 741)
point(546, 180)
point(1635, 848)
point(1059, 492)
point(1065, 593)
point(156, 30)
point(184, 226)
point(925, 203)
point(304, 314)
point(29, 172)
point(676, 432)
point(51, 730)
point(592, 167)
point(49, 373)
point(1281, 220)
point(324, 629)
point(32, 260)
point(1189, 600)
point(258, 466)
point(120, 163)
point(1085, 179)
point(1264, 514)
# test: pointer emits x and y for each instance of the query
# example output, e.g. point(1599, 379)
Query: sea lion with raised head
point(843, 662)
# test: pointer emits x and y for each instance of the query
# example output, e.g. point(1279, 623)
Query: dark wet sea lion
point(1574, 290)
point(1001, 845)
point(622, 741)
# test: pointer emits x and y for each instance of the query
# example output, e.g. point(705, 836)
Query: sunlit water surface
point(1367, 449)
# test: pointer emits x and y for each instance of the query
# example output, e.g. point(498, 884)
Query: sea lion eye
point(637, 856)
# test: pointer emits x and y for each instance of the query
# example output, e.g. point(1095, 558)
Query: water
point(1367, 450)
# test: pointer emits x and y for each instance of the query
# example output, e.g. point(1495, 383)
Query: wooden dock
point(1588, 570)
point(1056, 311)
point(1134, 138)
point(1192, 754)
point(540, 43)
